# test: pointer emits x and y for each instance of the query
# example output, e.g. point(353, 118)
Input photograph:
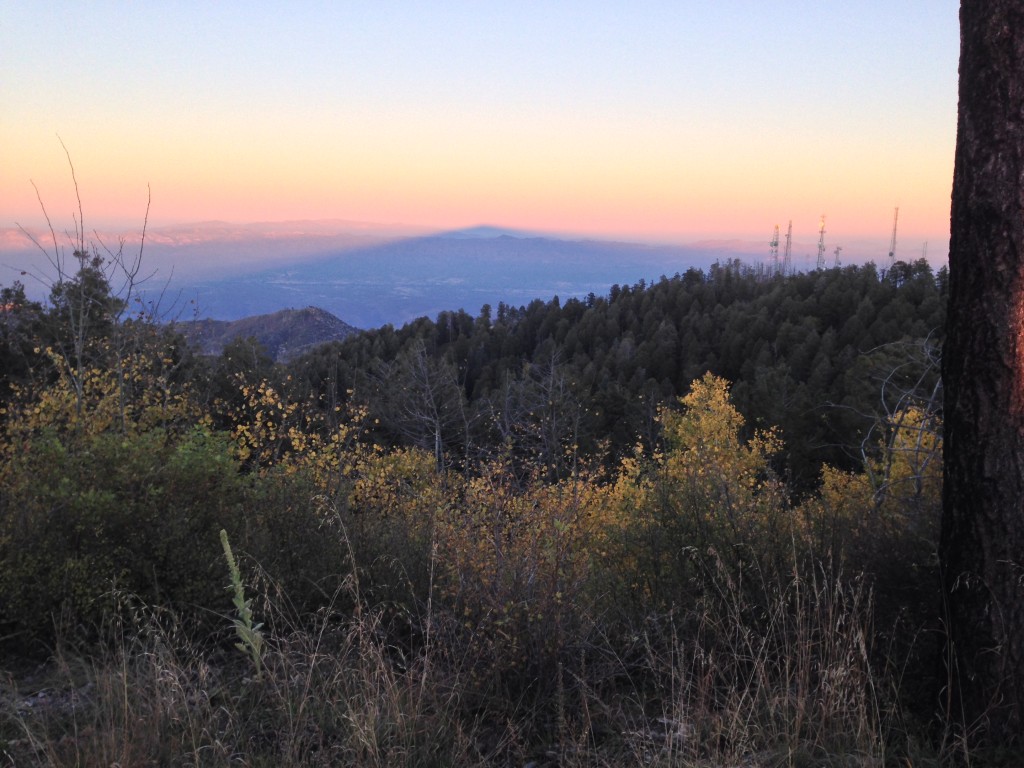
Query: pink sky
point(665, 124)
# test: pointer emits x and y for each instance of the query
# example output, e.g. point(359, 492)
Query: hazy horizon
point(196, 250)
point(369, 274)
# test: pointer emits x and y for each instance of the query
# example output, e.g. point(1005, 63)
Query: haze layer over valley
point(373, 274)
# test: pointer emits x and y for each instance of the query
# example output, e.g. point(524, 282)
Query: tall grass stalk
point(248, 631)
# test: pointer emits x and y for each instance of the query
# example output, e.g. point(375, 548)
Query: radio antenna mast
point(787, 266)
point(773, 253)
point(892, 243)
point(821, 243)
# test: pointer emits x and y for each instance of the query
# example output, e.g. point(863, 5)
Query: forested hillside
point(686, 523)
point(822, 356)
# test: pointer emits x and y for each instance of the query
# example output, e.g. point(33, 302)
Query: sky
point(673, 121)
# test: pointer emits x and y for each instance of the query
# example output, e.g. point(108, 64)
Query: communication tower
point(787, 265)
point(892, 243)
point(773, 253)
point(838, 263)
point(821, 243)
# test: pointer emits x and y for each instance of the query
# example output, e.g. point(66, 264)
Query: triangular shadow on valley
point(399, 280)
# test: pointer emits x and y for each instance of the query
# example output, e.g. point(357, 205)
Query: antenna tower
point(892, 243)
point(838, 263)
point(924, 250)
point(773, 253)
point(787, 266)
point(821, 243)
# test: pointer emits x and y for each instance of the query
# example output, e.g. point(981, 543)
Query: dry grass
point(335, 693)
point(786, 681)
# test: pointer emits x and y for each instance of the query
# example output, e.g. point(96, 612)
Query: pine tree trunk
point(982, 546)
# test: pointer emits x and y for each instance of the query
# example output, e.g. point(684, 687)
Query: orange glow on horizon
point(623, 180)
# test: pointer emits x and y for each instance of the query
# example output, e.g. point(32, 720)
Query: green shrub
point(81, 520)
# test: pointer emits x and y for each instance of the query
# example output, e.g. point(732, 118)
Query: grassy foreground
point(720, 685)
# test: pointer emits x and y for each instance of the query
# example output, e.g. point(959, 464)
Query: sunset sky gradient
point(654, 121)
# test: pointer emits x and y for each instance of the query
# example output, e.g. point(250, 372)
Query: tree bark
point(982, 542)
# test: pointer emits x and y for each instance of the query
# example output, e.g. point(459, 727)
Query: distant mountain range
point(398, 281)
point(284, 334)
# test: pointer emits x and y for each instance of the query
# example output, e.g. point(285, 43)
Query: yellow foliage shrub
point(133, 395)
point(893, 504)
point(709, 493)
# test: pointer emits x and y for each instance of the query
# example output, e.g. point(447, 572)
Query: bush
point(709, 496)
point(93, 505)
point(113, 512)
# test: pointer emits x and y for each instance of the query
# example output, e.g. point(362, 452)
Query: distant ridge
point(484, 231)
point(284, 334)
